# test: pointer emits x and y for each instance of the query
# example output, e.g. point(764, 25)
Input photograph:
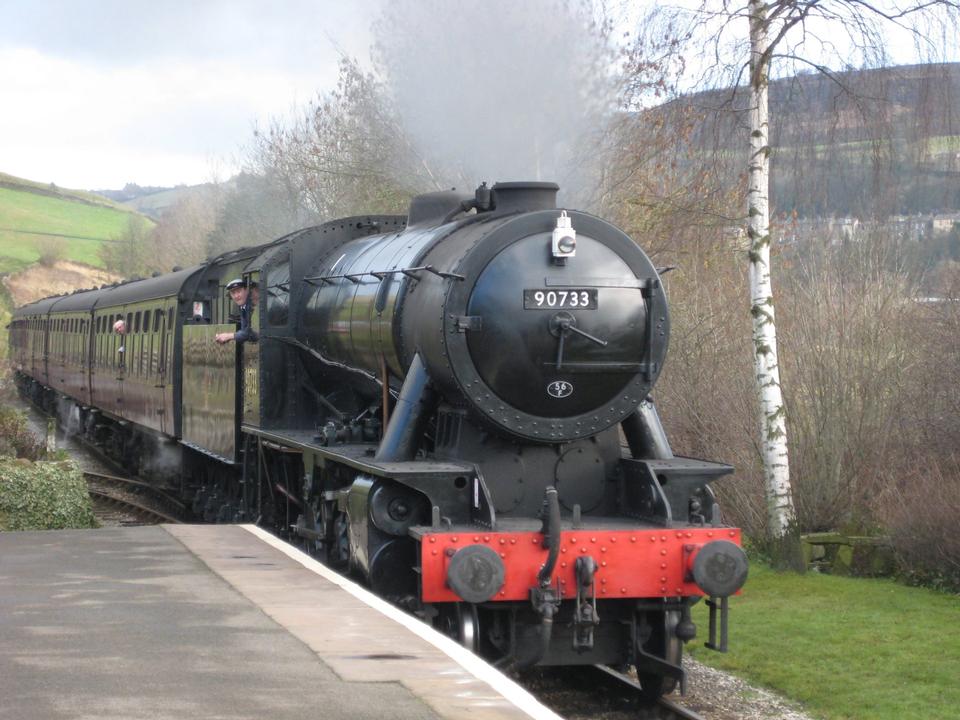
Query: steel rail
point(666, 709)
point(96, 489)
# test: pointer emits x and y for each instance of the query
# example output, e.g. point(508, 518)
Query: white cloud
point(97, 111)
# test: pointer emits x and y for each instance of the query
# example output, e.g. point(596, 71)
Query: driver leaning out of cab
point(245, 296)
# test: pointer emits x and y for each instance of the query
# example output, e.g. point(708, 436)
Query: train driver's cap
point(236, 283)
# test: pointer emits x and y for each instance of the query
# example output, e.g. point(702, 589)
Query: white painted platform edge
point(473, 664)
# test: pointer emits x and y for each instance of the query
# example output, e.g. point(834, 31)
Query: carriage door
point(160, 338)
point(122, 357)
point(250, 364)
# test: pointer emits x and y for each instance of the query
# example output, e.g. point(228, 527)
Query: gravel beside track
point(583, 694)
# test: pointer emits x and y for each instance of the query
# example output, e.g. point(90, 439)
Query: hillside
point(852, 144)
point(154, 204)
point(70, 225)
point(32, 216)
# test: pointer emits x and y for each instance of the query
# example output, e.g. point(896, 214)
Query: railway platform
point(218, 621)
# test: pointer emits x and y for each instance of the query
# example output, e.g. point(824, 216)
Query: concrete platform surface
point(218, 622)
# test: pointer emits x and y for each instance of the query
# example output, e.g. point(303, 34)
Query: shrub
point(920, 513)
point(16, 439)
point(43, 496)
point(51, 250)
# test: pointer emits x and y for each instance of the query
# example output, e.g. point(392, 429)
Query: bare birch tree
point(773, 429)
point(804, 32)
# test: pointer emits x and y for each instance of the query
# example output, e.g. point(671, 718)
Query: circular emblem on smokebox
point(560, 389)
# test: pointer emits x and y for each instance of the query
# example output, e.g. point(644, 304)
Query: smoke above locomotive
point(499, 88)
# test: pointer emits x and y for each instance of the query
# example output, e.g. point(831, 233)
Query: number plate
point(584, 299)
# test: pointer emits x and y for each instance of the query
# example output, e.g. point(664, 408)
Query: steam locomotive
point(437, 403)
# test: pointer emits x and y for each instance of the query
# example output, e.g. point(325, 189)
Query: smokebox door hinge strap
point(469, 322)
point(647, 291)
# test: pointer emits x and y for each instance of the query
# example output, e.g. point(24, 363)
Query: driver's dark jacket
point(246, 333)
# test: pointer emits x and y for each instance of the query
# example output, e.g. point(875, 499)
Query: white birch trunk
point(780, 512)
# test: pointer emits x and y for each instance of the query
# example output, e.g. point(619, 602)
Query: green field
point(33, 214)
point(27, 218)
point(846, 648)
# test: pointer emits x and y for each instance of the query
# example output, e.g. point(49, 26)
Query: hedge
point(46, 495)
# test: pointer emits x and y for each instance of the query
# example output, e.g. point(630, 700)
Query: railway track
point(599, 693)
point(124, 501)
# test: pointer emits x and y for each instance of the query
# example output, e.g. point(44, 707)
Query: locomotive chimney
point(524, 196)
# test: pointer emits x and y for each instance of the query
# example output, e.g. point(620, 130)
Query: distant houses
point(836, 231)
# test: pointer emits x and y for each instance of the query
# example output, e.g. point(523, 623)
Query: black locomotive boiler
point(436, 402)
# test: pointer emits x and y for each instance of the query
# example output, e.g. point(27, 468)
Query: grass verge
point(846, 648)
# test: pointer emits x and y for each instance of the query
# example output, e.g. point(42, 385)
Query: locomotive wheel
point(663, 643)
point(461, 622)
point(469, 626)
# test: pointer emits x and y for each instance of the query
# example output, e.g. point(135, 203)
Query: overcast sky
point(98, 93)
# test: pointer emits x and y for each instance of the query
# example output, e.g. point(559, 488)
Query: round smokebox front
point(559, 350)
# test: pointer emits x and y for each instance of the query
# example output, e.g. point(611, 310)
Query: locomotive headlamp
point(564, 242)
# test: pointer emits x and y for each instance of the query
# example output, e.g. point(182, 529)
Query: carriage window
point(129, 321)
point(170, 318)
point(157, 319)
point(136, 323)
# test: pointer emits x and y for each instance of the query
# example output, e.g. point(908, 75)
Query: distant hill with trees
point(860, 143)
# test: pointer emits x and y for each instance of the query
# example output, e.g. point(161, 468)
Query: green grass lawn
point(25, 215)
point(844, 647)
